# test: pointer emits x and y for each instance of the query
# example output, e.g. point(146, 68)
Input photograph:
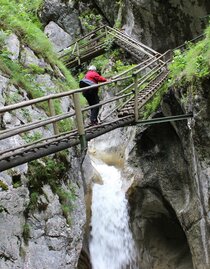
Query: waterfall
point(111, 244)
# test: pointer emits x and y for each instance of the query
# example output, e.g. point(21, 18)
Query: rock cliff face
point(170, 200)
point(162, 25)
point(34, 229)
point(159, 24)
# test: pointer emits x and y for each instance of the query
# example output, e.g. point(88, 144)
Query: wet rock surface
point(169, 208)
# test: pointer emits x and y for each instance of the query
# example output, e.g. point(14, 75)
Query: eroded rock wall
point(37, 235)
point(162, 25)
point(159, 24)
point(170, 200)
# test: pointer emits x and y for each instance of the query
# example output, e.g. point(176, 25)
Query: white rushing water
point(111, 244)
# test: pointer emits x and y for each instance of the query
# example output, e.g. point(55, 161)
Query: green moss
point(17, 184)
point(12, 97)
point(118, 22)
point(193, 63)
point(29, 138)
point(21, 17)
point(51, 171)
point(33, 200)
point(90, 20)
point(35, 69)
point(26, 233)
point(47, 170)
point(3, 186)
point(3, 36)
point(65, 125)
point(1, 209)
point(153, 104)
point(67, 197)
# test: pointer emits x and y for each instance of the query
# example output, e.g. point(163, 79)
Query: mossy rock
point(3, 186)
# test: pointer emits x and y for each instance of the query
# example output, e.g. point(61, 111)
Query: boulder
point(12, 44)
point(59, 38)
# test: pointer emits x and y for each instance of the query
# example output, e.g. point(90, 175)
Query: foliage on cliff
point(20, 17)
point(192, 63)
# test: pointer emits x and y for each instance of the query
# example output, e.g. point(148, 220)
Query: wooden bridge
point(142, 82)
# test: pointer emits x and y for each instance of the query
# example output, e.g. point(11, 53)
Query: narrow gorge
point(139, 196)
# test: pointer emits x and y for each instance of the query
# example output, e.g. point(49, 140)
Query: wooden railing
point(137, 80)
point(96, 42)
point(138, 75)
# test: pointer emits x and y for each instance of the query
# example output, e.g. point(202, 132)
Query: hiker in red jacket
point(92, 78)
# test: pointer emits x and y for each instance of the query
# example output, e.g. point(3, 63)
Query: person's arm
point(100, 78)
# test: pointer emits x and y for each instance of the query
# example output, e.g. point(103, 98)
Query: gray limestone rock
point(28, 57)
point(37, 236)
point(57, 36)
point(170, 202)
point(145, 20)
point(13, 203)
point(63, 13)
point(3, 86)
point(45, 83)
point(12, 44)
point(10, 120)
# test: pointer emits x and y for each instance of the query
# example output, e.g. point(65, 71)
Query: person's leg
point(93, 99)
point(95, 110)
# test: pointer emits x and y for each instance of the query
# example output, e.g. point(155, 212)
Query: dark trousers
point(93, 99)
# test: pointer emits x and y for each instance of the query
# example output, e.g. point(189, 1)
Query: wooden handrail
point(131, 39)
point(83, 37)
point(68, 93)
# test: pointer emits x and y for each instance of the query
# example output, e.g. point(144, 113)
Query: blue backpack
point(85, 83)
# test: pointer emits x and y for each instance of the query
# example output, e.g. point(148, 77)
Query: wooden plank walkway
point(147, 78)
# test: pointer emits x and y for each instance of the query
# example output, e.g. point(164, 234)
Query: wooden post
point(52, 113)
point(79, 121)
point(106, 32)
point(136, 111)
point(78, 53)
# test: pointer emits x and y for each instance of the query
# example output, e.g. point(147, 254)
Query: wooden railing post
point(78, 53)
point(52, 113)
point(79, 121)
point(106, 32)
point(136, 111)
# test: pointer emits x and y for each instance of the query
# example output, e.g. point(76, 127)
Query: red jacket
point(94, 76)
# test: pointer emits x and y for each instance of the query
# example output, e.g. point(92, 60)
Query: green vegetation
point(47, 170)
point(110, 64)
point(153, 104)
point(13, 97)
point(50, 170)
point(3, 186)
point(26, 114)
point(67, 197)
point(90, 21)
point(33, 200)
point(26, 232)
point(21, 18)
point(17, 184)
point(193, 63)
point(29, 138)
point(118, 22)
point(65, 125)
point(187, 66)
